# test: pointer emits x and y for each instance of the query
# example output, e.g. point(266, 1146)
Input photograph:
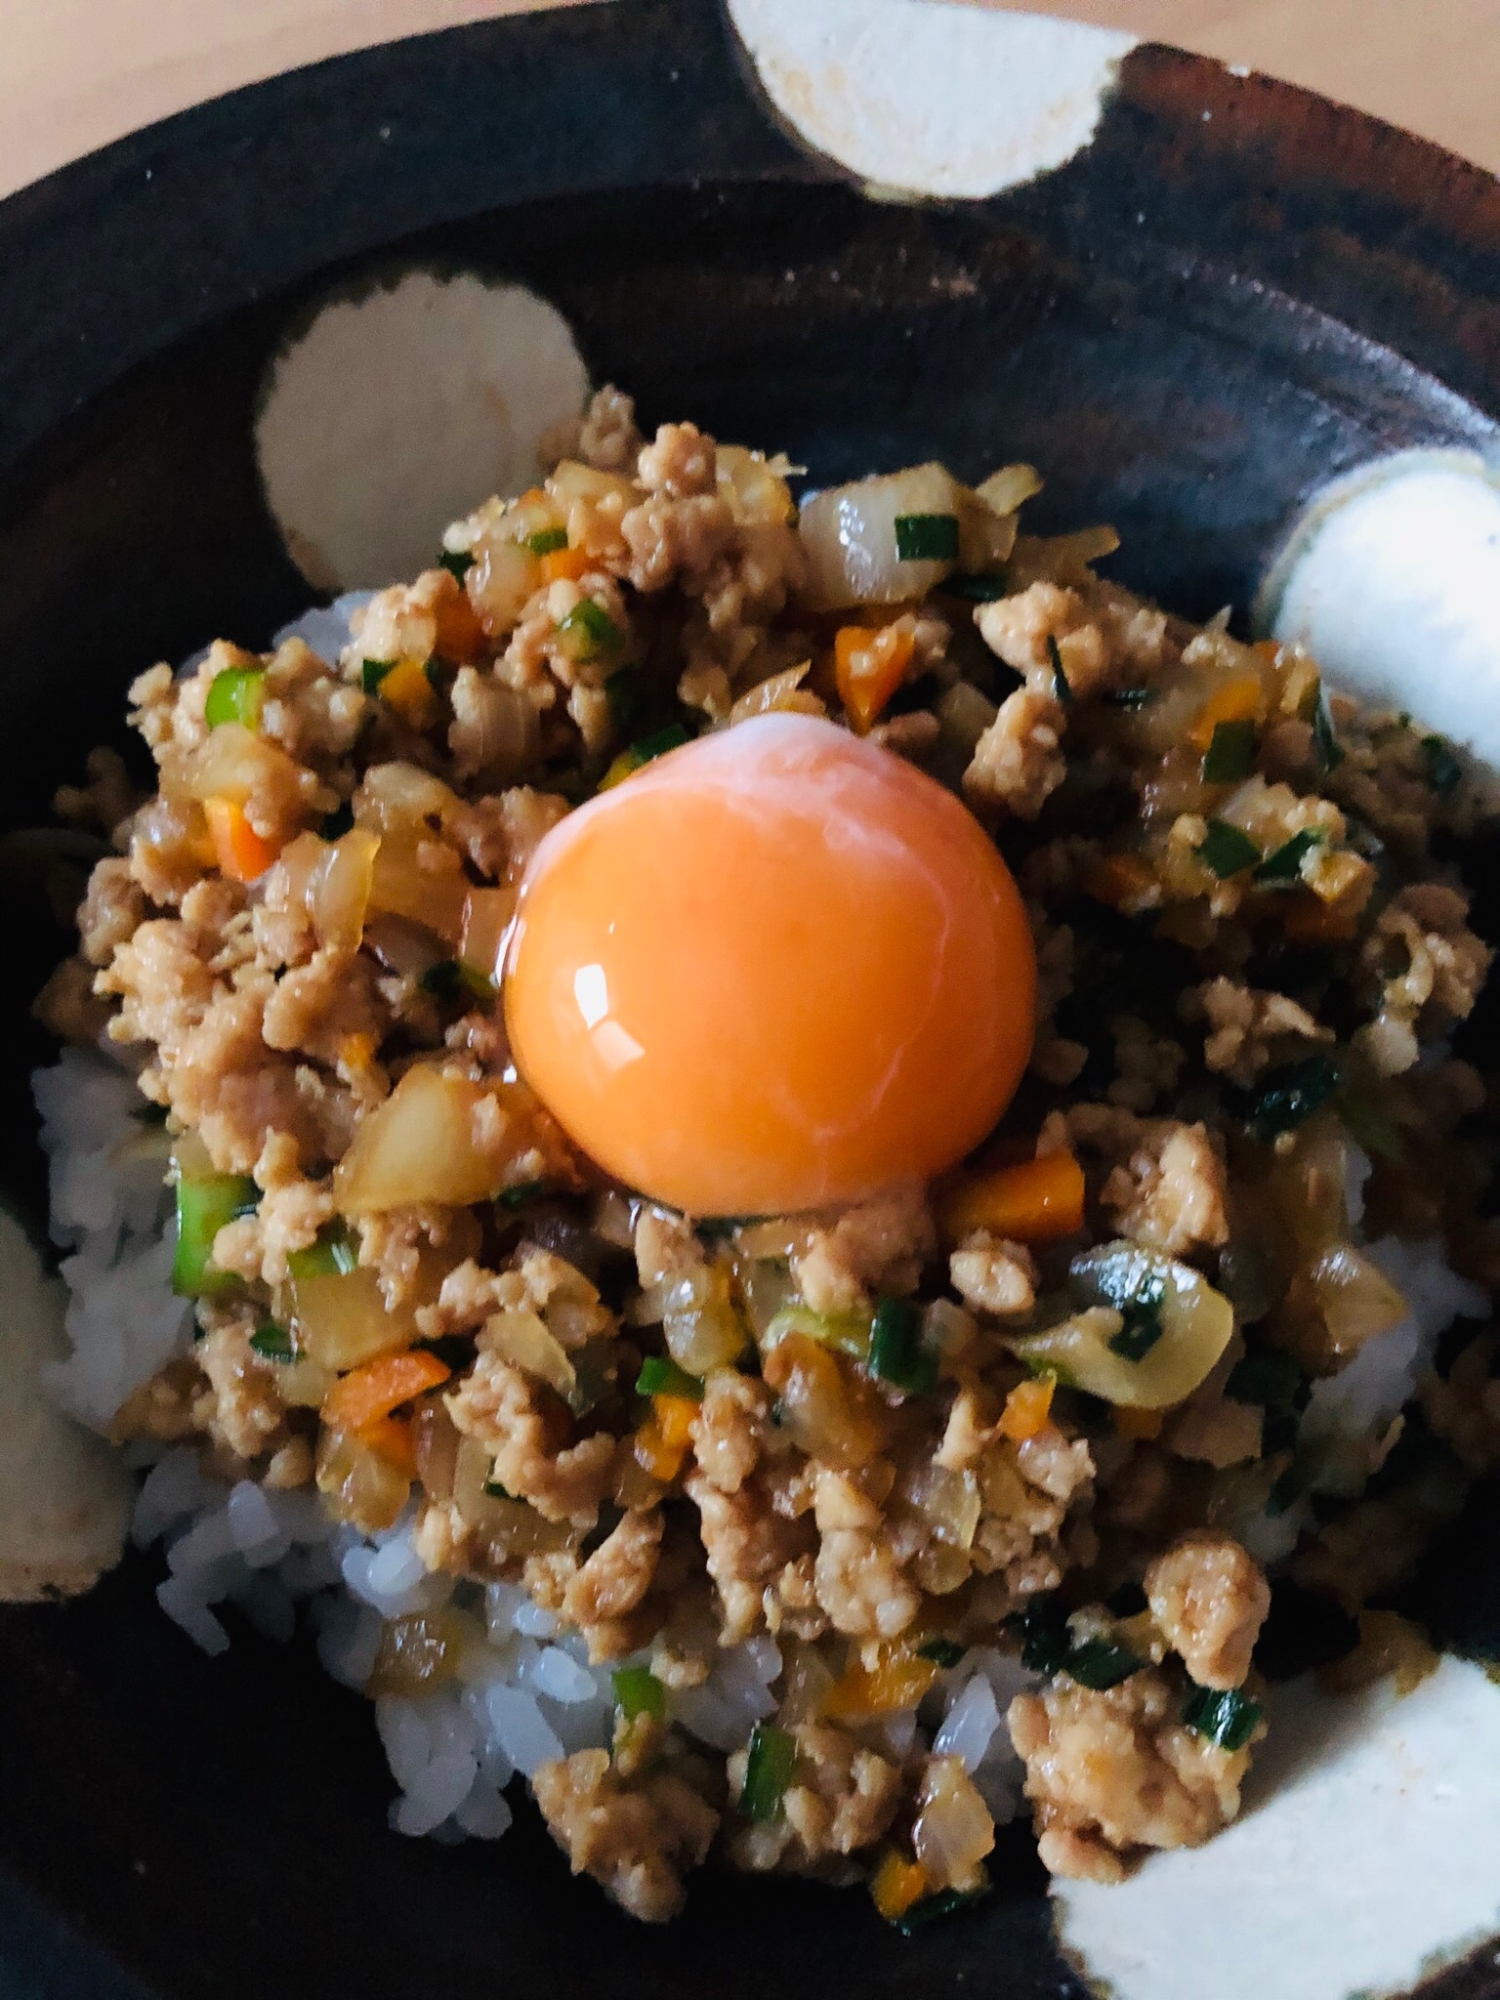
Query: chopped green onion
point(1286, 1492)
point(457, 562)
point(1290, 1094)
point(1230, 754)
point(450, 980)
point(204, 1206)
point(1330, 751)
point(897, 1355)
point(1042, 1629)
point(1101, 1664)
point(927, 537)
point(769, 1765)
point(274, 1342)
point(1060, 685)
point(334, 1254)
point(983, 587)
point(1272, 1380)
point(671, 738)
point(1142, 1317)
point(236, 695)
point(437, 671)
point(623, 692)
point(932, 1909)
point(334, 825)
point(520, 1194)
point(590, 631)
point(373, 672)
point(1284, 864)
point(496, 1491)
point(661, 1377)
point(1131, 697)
point(546, 540)
point(1225, 1716)
point(1443, 769)
point(942, 1652)
point(1225, 850)
point(849, 1332)
point(639, 1692)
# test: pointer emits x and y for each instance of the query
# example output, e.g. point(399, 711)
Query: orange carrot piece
point(1242, 700)
point(869, 666)
point(651, 1450)
point(391, 1438)
point(460, 636)
point(1028, 1409)
point(407, 689)
point(880, 1690)
point(1038, 1201)
point(896, 1884)
point(371, 1392)
point(675, 1416)
point(1138, 1423)
point(567, 565)
point(239, 850)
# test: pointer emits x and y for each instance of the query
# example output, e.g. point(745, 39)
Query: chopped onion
point(500, 582)
point(420, 878)
point(1008, 488)
point(340, 1318)
point(487, 920)
point(1357, 1299)
point(437, 1138)
point(398, 797)
point(779, 693)
point(752, 487)
point(828, 1415)
point(705, 1332)
point(954, 1830)
point(337, 890)
point(358, 1484)
point(950, 1501)
point(849, 533)
point(522, 1339)
point(233, 762)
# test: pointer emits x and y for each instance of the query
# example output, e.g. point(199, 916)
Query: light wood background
point(76, 73)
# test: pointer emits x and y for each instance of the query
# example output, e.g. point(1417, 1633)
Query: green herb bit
point(521, 1193)
point(1443, 769)
point(1042, 1629)
point(546, 541)
point(1225, 851)
point(274, 1342)
point(1290, 1094)
point(204, 1207)
point(1330, 750)
point(639, 1692)
point(334, 1254)
point(1142, 1317)
point(982, 587)
point(1286, 1492)
point(661, 1377)
point(1101, 1663)
point(334, 825)
point(657, 745)
point(769, 1764)
point(496, 1491)
point(1283, 866)
point(1060, 685)
point(927, 537)
point(457, 562)
point(1272, 1380)
point(1230, 754)
point(897, 1355)
point(623, 692)
point(590, 632)
point(451, 980)
point(236, 695)
point(439, 672)
point(1131, 698)
point(1225, 1716)
point(943, 1653)
point(932, 1909)
point(373, 672)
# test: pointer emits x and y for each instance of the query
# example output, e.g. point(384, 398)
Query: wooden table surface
point(77, 73)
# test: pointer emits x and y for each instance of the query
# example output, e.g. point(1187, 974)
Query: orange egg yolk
point(777, 969)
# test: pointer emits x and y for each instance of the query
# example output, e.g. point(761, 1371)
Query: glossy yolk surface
point(777, 969)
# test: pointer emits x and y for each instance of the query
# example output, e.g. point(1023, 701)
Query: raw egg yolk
point(777, 969)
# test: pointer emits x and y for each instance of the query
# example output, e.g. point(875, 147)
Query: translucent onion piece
point(954, 1830)
point(1008, 488)
point(359, 1486)
point(849, 533)
point(337, 893)
point(436, 1138)
point(417, 877)
point(233, 762)
point(708, 1333)
point(500, 582)
point(1357, 1299)
point(401, 798)
point(339, 1319)
point(522, 1339)
point(753, 489)
point(487, 920)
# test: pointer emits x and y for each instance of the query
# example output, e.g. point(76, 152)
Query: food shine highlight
point(778, 969)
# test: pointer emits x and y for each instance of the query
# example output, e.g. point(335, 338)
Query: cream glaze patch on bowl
point(924, 97)
point(1392, 581)
point(396, 412)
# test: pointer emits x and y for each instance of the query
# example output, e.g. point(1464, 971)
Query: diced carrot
point(460, 636)
point(1242, 700)
point(1138, 1423)
point(532, 497)
point(239, 850)
point(882, 1690)
point(896, 1884)
point(869, 666)
point(675, 1416)
point(651, 1450)
point(1035, 1202)
point(407, 689)
point(1126, 882)
point(366, 1394)
point(391, 1438)
point(356, 1051)
point(1028, 1408)
point(567, 565)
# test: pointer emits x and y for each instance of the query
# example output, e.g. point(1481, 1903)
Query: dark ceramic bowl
point(1233, 294)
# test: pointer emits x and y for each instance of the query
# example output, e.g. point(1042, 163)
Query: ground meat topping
point(636, 1837)
point(1210, 1600)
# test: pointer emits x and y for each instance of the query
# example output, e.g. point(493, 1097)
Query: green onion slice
point(1226, 851)
point(457, 562)
point(204, 1206)
point(373, 672)
point(236, 695)
point(943, 1653)
point(661, 1377)
point(897, 1355)
point(1060, 685)
point(639, 1692)
point(1042, 1629)
point(769, 1765)
point(1101, 1664)
point(520, 1194)
point(274, 1342)
point(1283, 865)
point(1225, 1716)
point(451, 980)
point(590, 631)
point(932, 1909)
point(1230, 754)
point(982, 587)
point(1290, 1094)
point(334, 1254)
point(927, 537)
point(1330, 750)
point(1142, 1317)
point(547, 540)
